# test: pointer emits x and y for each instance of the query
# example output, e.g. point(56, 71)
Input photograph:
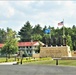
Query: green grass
point(53, 62)
point(67, 62)
point(3, 59)
point(41, 61)
point(31, 60)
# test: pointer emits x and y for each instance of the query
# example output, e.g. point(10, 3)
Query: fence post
point(56, 61)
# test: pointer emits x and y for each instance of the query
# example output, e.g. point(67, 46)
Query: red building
point(29, 48)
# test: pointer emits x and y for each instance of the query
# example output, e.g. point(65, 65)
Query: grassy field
point(3, 59)
point(53, 62)
point(41, 61)
point(49, 61)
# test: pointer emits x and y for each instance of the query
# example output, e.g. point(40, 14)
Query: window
point(30, 46)
point(26, 46)
point(36, 51)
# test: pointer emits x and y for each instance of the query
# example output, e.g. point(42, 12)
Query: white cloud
point(4, 3)
point(58, 2)
point(69, 4)
point(10, 12)
point(17, 13)
point(3, 24)
point(22, 4)
point(6, 10)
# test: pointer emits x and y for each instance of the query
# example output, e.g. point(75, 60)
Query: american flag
point(60, 23)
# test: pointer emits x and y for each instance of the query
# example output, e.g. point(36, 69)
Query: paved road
point(36, 70)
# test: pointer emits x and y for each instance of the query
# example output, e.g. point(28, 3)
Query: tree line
point(37, 33)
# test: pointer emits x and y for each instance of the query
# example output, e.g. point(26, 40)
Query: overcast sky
point(14, 14)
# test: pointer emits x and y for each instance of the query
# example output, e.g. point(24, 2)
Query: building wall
point(29, 50)
point(36, 55)
point(58, 51)
point(73, 53)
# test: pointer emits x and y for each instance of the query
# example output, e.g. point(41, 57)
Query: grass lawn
point(3, 59)
point(42, 61)
point(53, 62)
point(67, 62)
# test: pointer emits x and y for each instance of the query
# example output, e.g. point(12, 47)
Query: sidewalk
point(9, 63)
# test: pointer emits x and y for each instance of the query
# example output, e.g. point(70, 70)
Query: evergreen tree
point(2, 35)
point(69, 41)
point(36, 37)
point(37, 29)
point(26, 32)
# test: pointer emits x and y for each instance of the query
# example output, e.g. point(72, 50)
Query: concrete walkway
point(36, 70)
point(8, 63)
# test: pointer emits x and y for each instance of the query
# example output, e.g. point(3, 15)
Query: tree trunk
point(6, 57)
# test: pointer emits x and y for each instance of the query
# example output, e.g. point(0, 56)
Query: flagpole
point(63, 32)
point(63, 29)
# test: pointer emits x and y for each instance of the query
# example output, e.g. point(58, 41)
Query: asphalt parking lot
point(36, 70)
